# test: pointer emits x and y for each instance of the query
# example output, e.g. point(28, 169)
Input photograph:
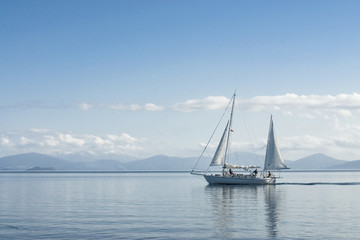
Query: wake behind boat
point(273, 160)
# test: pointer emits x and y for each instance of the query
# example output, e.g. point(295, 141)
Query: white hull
point(238, 179)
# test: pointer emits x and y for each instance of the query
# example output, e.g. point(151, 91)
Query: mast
point(229, 131)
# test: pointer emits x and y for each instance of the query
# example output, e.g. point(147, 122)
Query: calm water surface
point(304, 205)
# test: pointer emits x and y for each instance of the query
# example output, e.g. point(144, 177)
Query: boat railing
point(199, 172)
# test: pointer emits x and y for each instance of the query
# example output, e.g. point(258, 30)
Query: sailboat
point(273, 160)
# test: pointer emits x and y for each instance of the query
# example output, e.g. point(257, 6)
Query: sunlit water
point(304, 205)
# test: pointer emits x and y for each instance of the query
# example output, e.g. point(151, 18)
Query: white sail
point(219, 155)
point(273, 158)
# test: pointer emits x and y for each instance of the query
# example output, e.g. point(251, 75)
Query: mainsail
point(273, 158)
point(219, 155)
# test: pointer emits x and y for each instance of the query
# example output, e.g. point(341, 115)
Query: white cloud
point(5, 141)
point(50, 142)
point(343, 112)
point(127, 138)
point(208, 103)
point(136, 107)
point(153, 107)
point(305, 142)
point(122, 107)
point(85, 106)
point(307, 115)
point(342, 103)
point(37, 130)
point(70, 139)
point(24, 140)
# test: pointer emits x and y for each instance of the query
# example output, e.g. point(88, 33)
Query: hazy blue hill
point(104, 164)
point(87, 157)
point(347, 165)
point(162, 162)
point(315, 161)
point(41, 161)
point(31, 160)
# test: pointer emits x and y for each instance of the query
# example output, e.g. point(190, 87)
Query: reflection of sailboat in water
point(221, 200)
point(273, 160)
point(235, 210)
point(272, 202)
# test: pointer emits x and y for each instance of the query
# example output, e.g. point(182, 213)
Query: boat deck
point(238, 179)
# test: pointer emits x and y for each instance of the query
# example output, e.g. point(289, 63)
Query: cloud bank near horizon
point(52, 142)
point(337, 112)
point(341, 104)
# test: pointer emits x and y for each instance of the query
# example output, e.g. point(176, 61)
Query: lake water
point(304, 205)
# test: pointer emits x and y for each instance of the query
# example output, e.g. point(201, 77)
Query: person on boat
point(269, 174)
point(255, 172)
point(231, 172)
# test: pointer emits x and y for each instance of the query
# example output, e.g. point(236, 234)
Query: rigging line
point(207, 144)
point(249, 130)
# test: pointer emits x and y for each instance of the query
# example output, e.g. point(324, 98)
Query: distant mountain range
point(37, 161)
point(316, 161)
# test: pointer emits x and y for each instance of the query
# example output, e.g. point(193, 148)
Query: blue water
point(304, 205)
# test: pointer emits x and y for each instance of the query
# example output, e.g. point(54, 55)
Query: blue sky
point(152, 77)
